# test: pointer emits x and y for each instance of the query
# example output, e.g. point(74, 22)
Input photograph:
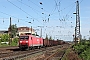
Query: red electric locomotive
point(29, 41)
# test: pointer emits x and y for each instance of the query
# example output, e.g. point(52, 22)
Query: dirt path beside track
point(71, 55)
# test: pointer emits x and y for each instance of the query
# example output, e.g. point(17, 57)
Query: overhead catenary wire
point(36, 11)
point(72, 8)
point(58, 6)
point(12, 16)
point(38, 5)
point(42, 8)
point(66, 16)
point(34, 4)
point(62, 10)
point(16, 18)
point(23, 10)
point(19, 8)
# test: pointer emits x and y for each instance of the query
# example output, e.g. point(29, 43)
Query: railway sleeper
point(57, 55)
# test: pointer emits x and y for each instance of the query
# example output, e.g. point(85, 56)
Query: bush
point(83, 49)
point(5, 38)
point(14, 42)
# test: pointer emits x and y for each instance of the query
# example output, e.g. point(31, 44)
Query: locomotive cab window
point(21, 37)
point(24, 37)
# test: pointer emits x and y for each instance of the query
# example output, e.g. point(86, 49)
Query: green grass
point(4, 45)
point(13, 43)
point(65, 57)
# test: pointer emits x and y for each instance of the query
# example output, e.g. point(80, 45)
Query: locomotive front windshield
point(24, 37)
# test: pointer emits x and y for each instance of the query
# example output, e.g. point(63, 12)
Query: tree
point(46, 37)
point(5, 38)
point(50, 38)
point(89, 38)
point(13, 30)
point(14, 42)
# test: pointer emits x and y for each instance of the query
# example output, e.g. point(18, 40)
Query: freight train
point(31, 41)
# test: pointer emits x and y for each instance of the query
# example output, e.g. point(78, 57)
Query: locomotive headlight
point(20, 41)
point(26, 41)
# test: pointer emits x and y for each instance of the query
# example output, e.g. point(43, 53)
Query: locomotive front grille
point(23, 45)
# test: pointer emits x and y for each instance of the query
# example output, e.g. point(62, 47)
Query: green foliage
point(5, 38)
point(3, 45)
point(46, 37)
point(14, 42)
point(13, 30)
point(83, 49)
point(66, 53)
point(50, 38)
point(89, 38)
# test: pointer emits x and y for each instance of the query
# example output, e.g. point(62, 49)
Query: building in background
point(20, 31)
point(3, 32)
point(25, 30)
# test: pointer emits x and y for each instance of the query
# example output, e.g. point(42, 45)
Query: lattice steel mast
point(77, 28)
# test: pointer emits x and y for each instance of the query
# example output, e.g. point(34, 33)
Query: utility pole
point(31, 30)
point(41, 31)
point(10, 33)
point(77, 28)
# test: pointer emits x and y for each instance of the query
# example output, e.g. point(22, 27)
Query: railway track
point(17, 54)
point(56, 54)
point(20, 54)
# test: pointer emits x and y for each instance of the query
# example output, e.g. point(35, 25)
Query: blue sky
point(60, 13)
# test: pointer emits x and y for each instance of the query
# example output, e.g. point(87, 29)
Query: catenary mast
point(77, 28)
